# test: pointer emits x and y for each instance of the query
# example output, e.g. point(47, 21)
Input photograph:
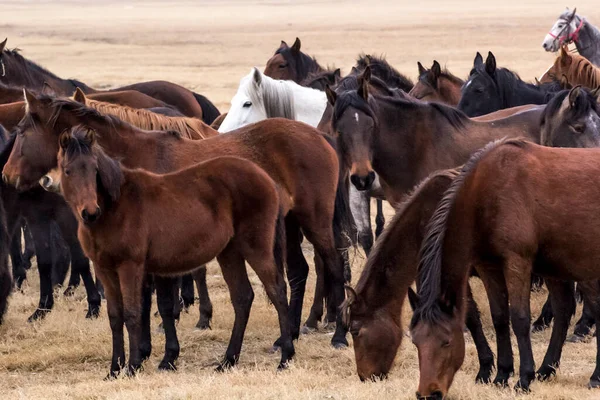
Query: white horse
point(571, 28)
point(260, 97)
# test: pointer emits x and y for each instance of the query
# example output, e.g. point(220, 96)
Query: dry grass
point(208, 46)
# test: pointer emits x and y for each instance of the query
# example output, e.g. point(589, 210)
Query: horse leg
point(320, 234)
point(19, 272)
point(234, 272)
point(297, 273)
point(80, 264)
point(146, 336)
point(519, 288)
point(360, 206)
point(583, 327)
point(590, 290)
point(316, 310)
point(41, 235)
point(379, 218)
point(131, 277)
point(166, 297)
point(29, 246)
point(545, 317)
point(61, 260)
point(187, 291)
point(484, 353)
point(495, 287)
point(114, 306)
point(263, 263)
point(206, 309)
point(562, 295)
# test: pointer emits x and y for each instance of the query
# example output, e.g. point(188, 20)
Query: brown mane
point(577, 69)
point(191, 128)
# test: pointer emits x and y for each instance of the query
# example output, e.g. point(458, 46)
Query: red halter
point(571, 37)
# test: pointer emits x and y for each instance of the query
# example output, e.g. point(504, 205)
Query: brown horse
point(374, 311)
point(437, 84)
point(226, 207)
point(6, 277)
point(575, 68)
point(294, 154)
point(191, 128)
point(535, 216)
point(289, 63)
point(21, 72)
point(404, 140)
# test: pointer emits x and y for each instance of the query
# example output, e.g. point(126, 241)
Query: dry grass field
point(208, 46)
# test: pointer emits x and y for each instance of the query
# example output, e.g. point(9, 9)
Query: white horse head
point(564, 31)
point(260, 97)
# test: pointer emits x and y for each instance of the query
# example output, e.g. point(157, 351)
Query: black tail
point(209, 111)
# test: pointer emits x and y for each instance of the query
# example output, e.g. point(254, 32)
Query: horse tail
point(429, 277)
point(6, 279)
point(209, 111)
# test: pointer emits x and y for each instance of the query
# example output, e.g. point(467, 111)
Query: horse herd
point(150, 183)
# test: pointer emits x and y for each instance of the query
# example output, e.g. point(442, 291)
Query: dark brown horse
point(225, 207)
point(289, 63)
point(6, 277)
point(320, 80)
point(516, 209)
point(437, 84)
point(21, 72)
point(295, 155)
point(373, 311)
point(403, 140)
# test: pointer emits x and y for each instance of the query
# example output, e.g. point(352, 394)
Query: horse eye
point(578, 128)
point(446, 344)
point(67, 172)
point(247, 104)
point(283, 65)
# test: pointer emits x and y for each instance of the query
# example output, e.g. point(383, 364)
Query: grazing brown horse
point(534, 216)
point(191, 128)
point(575, 68)
point(289, 63)
point(404, 140)
point(21, 72)
point(225, 207)
point(373, 311)
point(438, 85)
point(294, 154)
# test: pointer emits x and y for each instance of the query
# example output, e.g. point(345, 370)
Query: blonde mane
point(190, 128)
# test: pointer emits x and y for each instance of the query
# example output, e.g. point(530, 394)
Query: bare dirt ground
point(208, 46)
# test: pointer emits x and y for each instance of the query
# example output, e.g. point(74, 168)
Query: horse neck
point(309, 104)
point(450, 91)
point(116, 137)
point(307, 65)
point(524, 93)
point(588, 44)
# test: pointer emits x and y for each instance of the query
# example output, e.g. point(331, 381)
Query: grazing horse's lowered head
point(289, 63)
point(571, 119)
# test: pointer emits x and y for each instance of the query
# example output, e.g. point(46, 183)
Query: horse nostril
point(545, 46)
point(46, 182)
point(85, 215)
point(437, 395)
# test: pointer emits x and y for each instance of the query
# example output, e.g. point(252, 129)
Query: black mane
point(383, 70)
point(303, 64)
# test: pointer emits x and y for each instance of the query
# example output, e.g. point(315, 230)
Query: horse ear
point(573, 13)
point(478, 60)
point(422, 69)
point(257, 77)
point(79, 96)
point(537, 81)
point(337, 74)
point(413, 299)
point(436, 68)
point(331, 95)
point(574, 96)
point(283, 45)
point(64, 139)
point(364, 79)
point(596, 94)
point(90, 136)
point(490, 64)
point(3, 45)
point(48, 90)
point(31, 101)
point(564, 82)
point(296, 46)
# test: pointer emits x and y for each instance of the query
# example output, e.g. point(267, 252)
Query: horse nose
point(545, 46)
point(437, 395)
point(363, 182)
point(90, 217)
point(46, 182)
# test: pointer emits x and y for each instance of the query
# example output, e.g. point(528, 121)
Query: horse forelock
point(351, 98)
point(276, 97)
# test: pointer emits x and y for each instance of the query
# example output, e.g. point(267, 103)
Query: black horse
point(490, 89)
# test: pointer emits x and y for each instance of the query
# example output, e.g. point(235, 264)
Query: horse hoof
point(339, 345)
point(38, 315)
point(522, 387)
point(93, 312)
point(545, 372)
point(538, 328)
point(112, 375)
point(224, 366)
point(132, 370)
point(306, 330)
point(166, 366)
point(203, 325)
point(69, 291)
point(484, 376)
point(577, 339)
point(501, 382)
point(282, 366)
point(594, 383)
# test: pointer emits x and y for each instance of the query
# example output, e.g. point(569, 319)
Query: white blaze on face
point(356, 117)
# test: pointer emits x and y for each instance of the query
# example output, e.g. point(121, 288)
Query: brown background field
point(208, 46)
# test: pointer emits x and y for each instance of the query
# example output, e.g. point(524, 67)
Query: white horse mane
point(276, 96)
